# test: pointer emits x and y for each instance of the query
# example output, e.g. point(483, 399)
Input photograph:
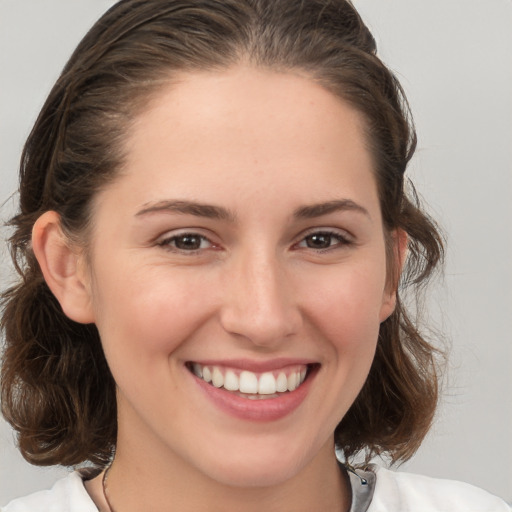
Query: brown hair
point(57, 391)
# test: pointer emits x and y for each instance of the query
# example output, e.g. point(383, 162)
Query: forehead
point(210, 102)
point(223, 132)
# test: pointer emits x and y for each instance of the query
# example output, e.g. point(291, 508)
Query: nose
point(259, 301)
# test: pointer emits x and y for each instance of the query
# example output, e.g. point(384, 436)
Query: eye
point(322, 240)
point(186, 242)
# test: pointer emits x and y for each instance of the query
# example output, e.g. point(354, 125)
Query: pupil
point(319, 241)
point(188, 242)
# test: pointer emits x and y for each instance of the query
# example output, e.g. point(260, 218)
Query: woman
point(212, 228)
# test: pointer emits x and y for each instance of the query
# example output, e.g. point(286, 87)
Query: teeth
point(248, 382)
point(198, 371)
point(267, 384)
point(217, 378)
point(255, 386)
point(207, 374)
point(282, 383)
point(292, 381)
point(260, 397)
point(231, 382)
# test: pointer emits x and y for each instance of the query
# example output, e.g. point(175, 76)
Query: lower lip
point(269, 409)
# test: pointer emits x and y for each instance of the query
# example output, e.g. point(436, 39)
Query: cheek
point(147, 317)
point(345, 313)
point(347, 305)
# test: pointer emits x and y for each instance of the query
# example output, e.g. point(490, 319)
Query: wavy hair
point(56, 388)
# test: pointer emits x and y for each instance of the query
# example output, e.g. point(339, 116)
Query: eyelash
point(170, 243)
point(341, 240)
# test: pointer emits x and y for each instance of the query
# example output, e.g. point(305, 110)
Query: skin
point(261, 145)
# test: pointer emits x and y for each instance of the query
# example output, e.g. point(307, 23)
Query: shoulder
point(406, 492)
point(67, 495)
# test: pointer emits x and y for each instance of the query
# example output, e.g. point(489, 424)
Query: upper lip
point(255, 366)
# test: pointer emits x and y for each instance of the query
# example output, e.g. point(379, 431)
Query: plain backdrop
point(454, 58)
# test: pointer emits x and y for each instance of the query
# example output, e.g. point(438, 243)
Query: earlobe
point(399, 241)
point(62, 268)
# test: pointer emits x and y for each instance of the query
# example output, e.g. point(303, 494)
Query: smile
point(255, 391)
point(252, 385)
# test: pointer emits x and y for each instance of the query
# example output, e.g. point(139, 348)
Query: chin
point(258, 467)
point(264, 475)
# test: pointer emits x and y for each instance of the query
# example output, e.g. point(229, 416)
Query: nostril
point(264, 328)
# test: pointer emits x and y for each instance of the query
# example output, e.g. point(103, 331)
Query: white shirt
point(386, 491)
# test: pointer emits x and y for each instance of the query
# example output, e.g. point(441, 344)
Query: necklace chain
point(104, 485)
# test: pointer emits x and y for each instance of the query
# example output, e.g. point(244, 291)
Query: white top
point(386, 491)
point(67, 495)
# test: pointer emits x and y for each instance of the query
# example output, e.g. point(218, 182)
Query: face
point(238, 275)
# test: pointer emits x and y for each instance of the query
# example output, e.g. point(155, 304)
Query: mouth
point(253, 385)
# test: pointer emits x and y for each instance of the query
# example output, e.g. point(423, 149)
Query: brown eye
point(323, 240)
point(186, 242)
point(319, 241)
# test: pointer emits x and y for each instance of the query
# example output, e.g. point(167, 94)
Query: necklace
point(104, 486)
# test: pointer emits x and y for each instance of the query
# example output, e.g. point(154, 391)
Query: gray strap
point(363, 487)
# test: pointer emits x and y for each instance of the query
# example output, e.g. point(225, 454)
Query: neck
point(258, 468)
point(152, 484)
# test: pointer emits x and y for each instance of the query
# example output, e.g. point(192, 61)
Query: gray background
point(454, 58)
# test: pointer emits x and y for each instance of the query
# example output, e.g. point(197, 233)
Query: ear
point(63, 268)
point(397, 254)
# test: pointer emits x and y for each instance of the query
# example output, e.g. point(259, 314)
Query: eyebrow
point(317, 210)
point(188, 208)
point(219, 213)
